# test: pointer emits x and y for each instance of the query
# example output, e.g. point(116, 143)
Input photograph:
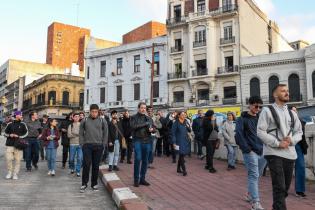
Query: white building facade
point(207, 39)
point(120, 77)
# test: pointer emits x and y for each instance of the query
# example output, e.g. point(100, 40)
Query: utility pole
point(152, 75)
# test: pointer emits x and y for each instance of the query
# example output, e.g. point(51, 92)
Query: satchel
point(20, 144)
point(213, 136)
point(123, 139)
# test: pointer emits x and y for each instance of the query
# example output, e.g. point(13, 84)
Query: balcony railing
point(200, 72)
point(203, 103)
point(228, 69)
point(224, 9)
point(179, 75)
point(177, 49)
point(227, 40)
point(226, 101)
point(176, 21)
point(178, 104)
point(199, 43)
point(54, 103)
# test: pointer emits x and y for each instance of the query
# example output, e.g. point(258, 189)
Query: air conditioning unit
point(215, 98)
point(113, 74)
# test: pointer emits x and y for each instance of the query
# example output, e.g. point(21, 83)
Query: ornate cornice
point(136, 78)
point(118, 81)
point(272, 63)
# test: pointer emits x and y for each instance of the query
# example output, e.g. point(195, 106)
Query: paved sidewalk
point(201, 190)
point(38, 191)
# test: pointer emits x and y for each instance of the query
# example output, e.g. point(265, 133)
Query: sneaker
point(15, 177)
point(300, 194)
point(53, 173)
point(78, 175)
point(9, 176)
point(145, 183)
point(28, 169)
point(248, 198)
point(184, 173)
point(206, 167)
point(110, 168)
point(49, 173)
point(115, 168)
point(95, 188)
point(212, 170)
point(257, 206)
point(71, 171)
point(83, 188)
point(35, 166)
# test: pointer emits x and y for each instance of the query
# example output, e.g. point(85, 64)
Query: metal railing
point(178, 75)
point(203, 103)
point(177, 49)
point(228, 69)
point(227, 40)
point(224, 9)
point(176, 20)
point(229, 100)
point(53, 103)
point(200, 72)
point(199, 43)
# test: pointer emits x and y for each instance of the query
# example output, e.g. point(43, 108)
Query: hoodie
point(246, 134)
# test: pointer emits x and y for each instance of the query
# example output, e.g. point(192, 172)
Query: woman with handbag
point(51, 137)
point(115, 139)
point(211, 139)
point(181, 141)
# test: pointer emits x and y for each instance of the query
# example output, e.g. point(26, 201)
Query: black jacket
point(125, 124)
point(197, 128)
point(140, 125)
point(207, 129)
point(303, 144)
point(16, 127)
point(65, 141)
point(113, 134)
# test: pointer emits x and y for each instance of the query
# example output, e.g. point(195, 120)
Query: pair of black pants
point(281, 171)
point(65, 152)
point(181, 163)
point(32, 153)
point(159, 146)
point(210, 153)
point(92, 154)
point(167, 146)
point(128, 150)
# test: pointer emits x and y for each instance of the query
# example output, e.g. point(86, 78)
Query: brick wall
point(213, 4)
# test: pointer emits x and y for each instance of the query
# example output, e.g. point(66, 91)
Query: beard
point(284, 99)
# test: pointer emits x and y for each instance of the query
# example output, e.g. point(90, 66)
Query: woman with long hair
point(51, 137)
point(228, 131)
point(180, 140)
point(210, 129)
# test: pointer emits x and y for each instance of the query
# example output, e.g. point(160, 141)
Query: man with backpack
point(252, 149)
point(93, 136)
point(280, 130)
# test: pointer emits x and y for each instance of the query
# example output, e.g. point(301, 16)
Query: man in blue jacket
point(252, 149)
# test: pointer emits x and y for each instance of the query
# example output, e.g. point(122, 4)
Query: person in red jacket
point(51, 137)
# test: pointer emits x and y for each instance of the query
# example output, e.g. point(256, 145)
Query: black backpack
point(277, 121)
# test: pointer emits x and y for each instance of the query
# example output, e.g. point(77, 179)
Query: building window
point(200, 35)
point(201, 67)
point(65, 98)
point(203, 94)
point(81, 99)
point(178, 96)
point(156, 63)
point(294, 88)
point(41, 99)
point(228, 31)
point(177, 12)
point(136, 63)
point(178, 45)
point(201, 6)
point(88, 72)
point(52, 97)
point(103, 69)
point(229, 63)
point(156, 89)
point(254, 87)
point(119, 65)
point(230, 92)
point(136, 92)
point(226, 5)
point(273, 82)
point(178, 69)
point(102, 95)
point(87, 96)
point(119, 93)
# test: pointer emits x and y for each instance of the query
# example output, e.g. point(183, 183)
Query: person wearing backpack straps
point(280, 130)
point(93, 136)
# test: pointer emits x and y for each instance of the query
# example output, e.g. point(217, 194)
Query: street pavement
point(38, 191)
point(201, 190)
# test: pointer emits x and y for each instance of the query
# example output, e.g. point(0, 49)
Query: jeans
point(255, 165)
point(281, 171)
point(32, 152)
point(299, 170)
point(65, 152)
point(210, 153)
point(51, 158)
point(114, 156)
point(151, 155)
point(92, 154)
point(75, 151)
point(231, 155)
point(142, 152)
point(128, 150)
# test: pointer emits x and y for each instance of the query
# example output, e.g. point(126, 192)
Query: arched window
point(65, 98)
point(52, 97)
point(273, 82)
point(294, 88)
point(200, 36)
point(254, 87)
point(313, 83)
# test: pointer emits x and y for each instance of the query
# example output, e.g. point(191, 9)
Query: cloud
point(150, 9)
point(266, 6)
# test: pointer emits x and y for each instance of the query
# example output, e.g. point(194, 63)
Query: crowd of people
point(270, 136)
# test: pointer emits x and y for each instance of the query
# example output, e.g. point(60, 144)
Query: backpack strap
point(292, 121)
point(276, 119)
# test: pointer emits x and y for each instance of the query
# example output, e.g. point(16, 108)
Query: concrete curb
point(123, 196)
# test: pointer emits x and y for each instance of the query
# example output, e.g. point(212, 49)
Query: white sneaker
point(9, 175)
point(49, 173)
point(257, 206)
point(53, 173)
point(15, 177)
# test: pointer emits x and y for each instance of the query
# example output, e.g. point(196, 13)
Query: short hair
point(141, 103)
point(94, 106)
point(113, 112)
point(149, 107)
point(277, 86)
point(255, 100)
point(45, 116)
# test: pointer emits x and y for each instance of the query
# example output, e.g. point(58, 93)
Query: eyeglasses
point(258, 107)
